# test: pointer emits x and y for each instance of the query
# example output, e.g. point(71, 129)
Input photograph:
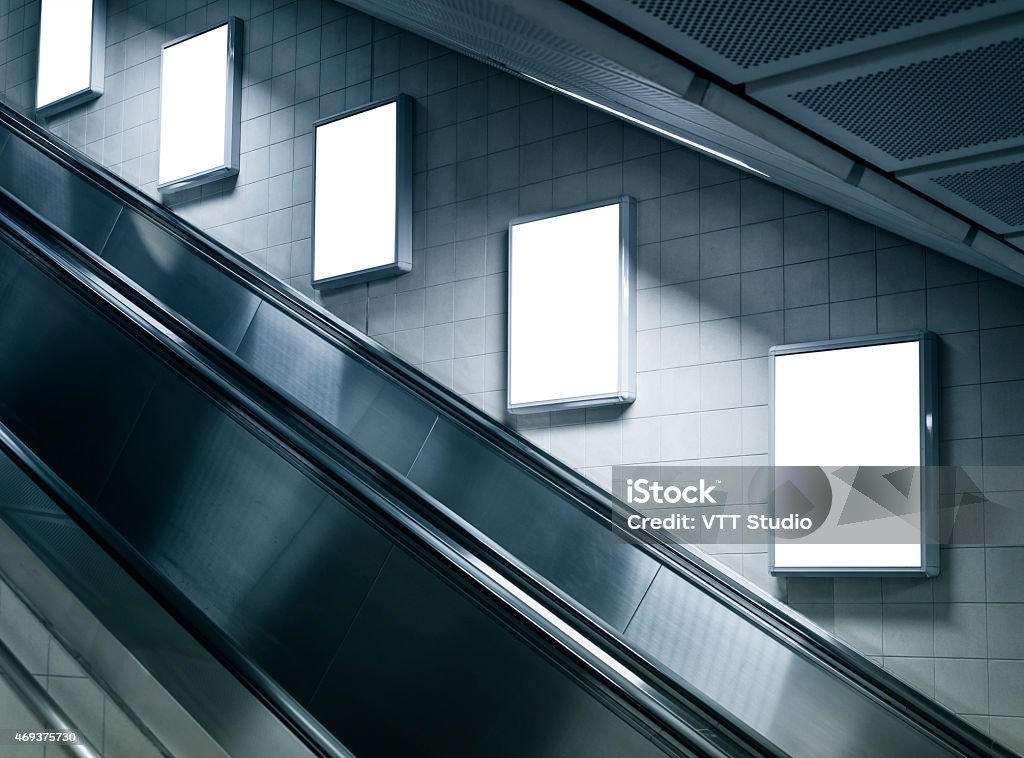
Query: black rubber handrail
point(343, 468)
point(757, 607)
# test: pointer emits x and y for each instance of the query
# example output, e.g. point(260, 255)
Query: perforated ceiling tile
point(936, 106)
point(998, 190)
point(745, 40)
point(751, 33)
point(987, 189)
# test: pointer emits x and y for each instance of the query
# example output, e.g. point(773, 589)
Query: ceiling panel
point(743, 40)
point(946, 97)
point(989, 189)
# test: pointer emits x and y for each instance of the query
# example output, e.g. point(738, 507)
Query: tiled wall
point(728, 265)
point(110, 730)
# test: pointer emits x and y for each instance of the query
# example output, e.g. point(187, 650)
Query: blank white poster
point(570, 339)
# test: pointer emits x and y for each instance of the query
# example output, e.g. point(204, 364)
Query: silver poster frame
point(928, 387)
point(97, 61)
point(403, 197)
point(232, 105)
point(626, 392)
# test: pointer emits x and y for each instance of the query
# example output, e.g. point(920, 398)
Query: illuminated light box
point(572, 308)
point(200, 107)
point(362, 194)
point(72, 50)
point(862, 411)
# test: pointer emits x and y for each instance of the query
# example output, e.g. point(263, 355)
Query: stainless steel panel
point(765, 684)
point(208, 505)
point(100, 651)
point(71, 385)
point(71, 204)
point(99, 583)
point(175, 275)
point(19, 492)
point(532, 521)
point(230, 714)
point(382, 419)
point(424, 671)
point(89, 573)
point(10, 265)
point(207, 691)
point(307, 599)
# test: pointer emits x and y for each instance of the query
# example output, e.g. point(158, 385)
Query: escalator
point(381, 552)
point(359, 626)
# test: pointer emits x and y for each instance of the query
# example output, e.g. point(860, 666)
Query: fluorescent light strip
point(645, 125)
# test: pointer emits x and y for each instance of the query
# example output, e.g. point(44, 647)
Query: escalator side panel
point(93, 577)
point(295, 617)
point(404, 682)
point(208, 504)
point(761, 681)
point(71, 385)
point(526, 517)
point(20, 492)
point(380, 418)
point(181, 666)
point(172, 273)
point(81, 210)
point(11, 266)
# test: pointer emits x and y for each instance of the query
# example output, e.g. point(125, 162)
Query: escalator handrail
point(621, 667)
point(757, 607)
